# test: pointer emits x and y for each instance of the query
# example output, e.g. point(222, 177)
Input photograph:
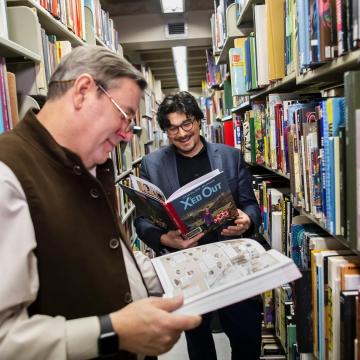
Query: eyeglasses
point(124, 115)
point(186, 125)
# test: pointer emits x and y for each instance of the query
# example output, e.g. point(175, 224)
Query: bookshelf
point(99, 41)
point(277, 172)
point(244, 105)
point(232, 33)
point(48, 22)
point(138, 160)
point(28, 49)
point(287, 83)
point(128, 214)
point(10, 49)
point(123, 175)
point(331, 71)
point(245, 18)
point(147, 138)
point(296, 129)
point(225, 118)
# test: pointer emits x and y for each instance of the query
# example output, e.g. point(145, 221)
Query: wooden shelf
point(10, 49)
point(246, 16)
point(287, 83)
point(332, 71)
point(127, 215)
point(49, 23)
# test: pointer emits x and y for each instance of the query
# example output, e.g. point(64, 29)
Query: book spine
point(351, 80)
point(6, 124)
point(347, 324)
point(175, 218)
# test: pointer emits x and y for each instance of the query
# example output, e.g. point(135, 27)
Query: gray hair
point(102, 64)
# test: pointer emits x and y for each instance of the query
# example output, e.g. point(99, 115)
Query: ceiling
point(159, 56)
point(136, 7)
point(161, 63)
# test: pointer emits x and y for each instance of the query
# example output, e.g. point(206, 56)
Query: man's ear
point(82, 86)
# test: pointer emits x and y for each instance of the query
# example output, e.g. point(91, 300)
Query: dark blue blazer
point(160, 169)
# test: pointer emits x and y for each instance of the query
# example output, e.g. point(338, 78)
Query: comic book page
point(218, 274)
point(146, 187)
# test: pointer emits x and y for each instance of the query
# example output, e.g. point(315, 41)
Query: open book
point(219, 274)
point(199, 206)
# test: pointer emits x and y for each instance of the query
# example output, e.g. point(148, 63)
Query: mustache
point(184, 137)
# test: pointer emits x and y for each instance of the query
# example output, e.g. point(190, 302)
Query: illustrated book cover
point(199, 206)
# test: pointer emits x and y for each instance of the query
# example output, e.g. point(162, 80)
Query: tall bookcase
point(297, 129)
point(34, 35)
point(148, 137)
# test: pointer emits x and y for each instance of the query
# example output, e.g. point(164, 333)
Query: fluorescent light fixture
point(180, 63)
point(172, 6)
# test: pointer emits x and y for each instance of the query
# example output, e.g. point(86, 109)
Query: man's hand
point(242, 223)
point(147, 326)
point(174, 240)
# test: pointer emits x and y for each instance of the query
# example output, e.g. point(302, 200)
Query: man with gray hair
point(70, 286)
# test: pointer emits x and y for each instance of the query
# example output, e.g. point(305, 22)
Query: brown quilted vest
point(80, 261)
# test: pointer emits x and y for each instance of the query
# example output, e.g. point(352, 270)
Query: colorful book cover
point(259, 114)
point(303, 37)
point(254, 81)
point(247, 138)
point(326, 170)
point(237, 69)
point(199, 206)
point(247, 64)
point(326, 18)
point(314, 31)
point(252, 137)
point(300, 250)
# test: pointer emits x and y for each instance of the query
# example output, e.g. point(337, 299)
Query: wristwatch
point(108, 341)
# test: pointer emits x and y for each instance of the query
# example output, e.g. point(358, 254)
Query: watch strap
point(108, 341)
point(105, 324)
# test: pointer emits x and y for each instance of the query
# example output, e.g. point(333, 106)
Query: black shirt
point(191, 168)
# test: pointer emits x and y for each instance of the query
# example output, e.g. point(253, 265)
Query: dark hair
point(182, 102)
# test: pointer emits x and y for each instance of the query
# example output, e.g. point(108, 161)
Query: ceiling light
point(172, 6)
point(180, 63)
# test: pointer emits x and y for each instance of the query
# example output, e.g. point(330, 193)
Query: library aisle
point(278, 82)
point(179, 351)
